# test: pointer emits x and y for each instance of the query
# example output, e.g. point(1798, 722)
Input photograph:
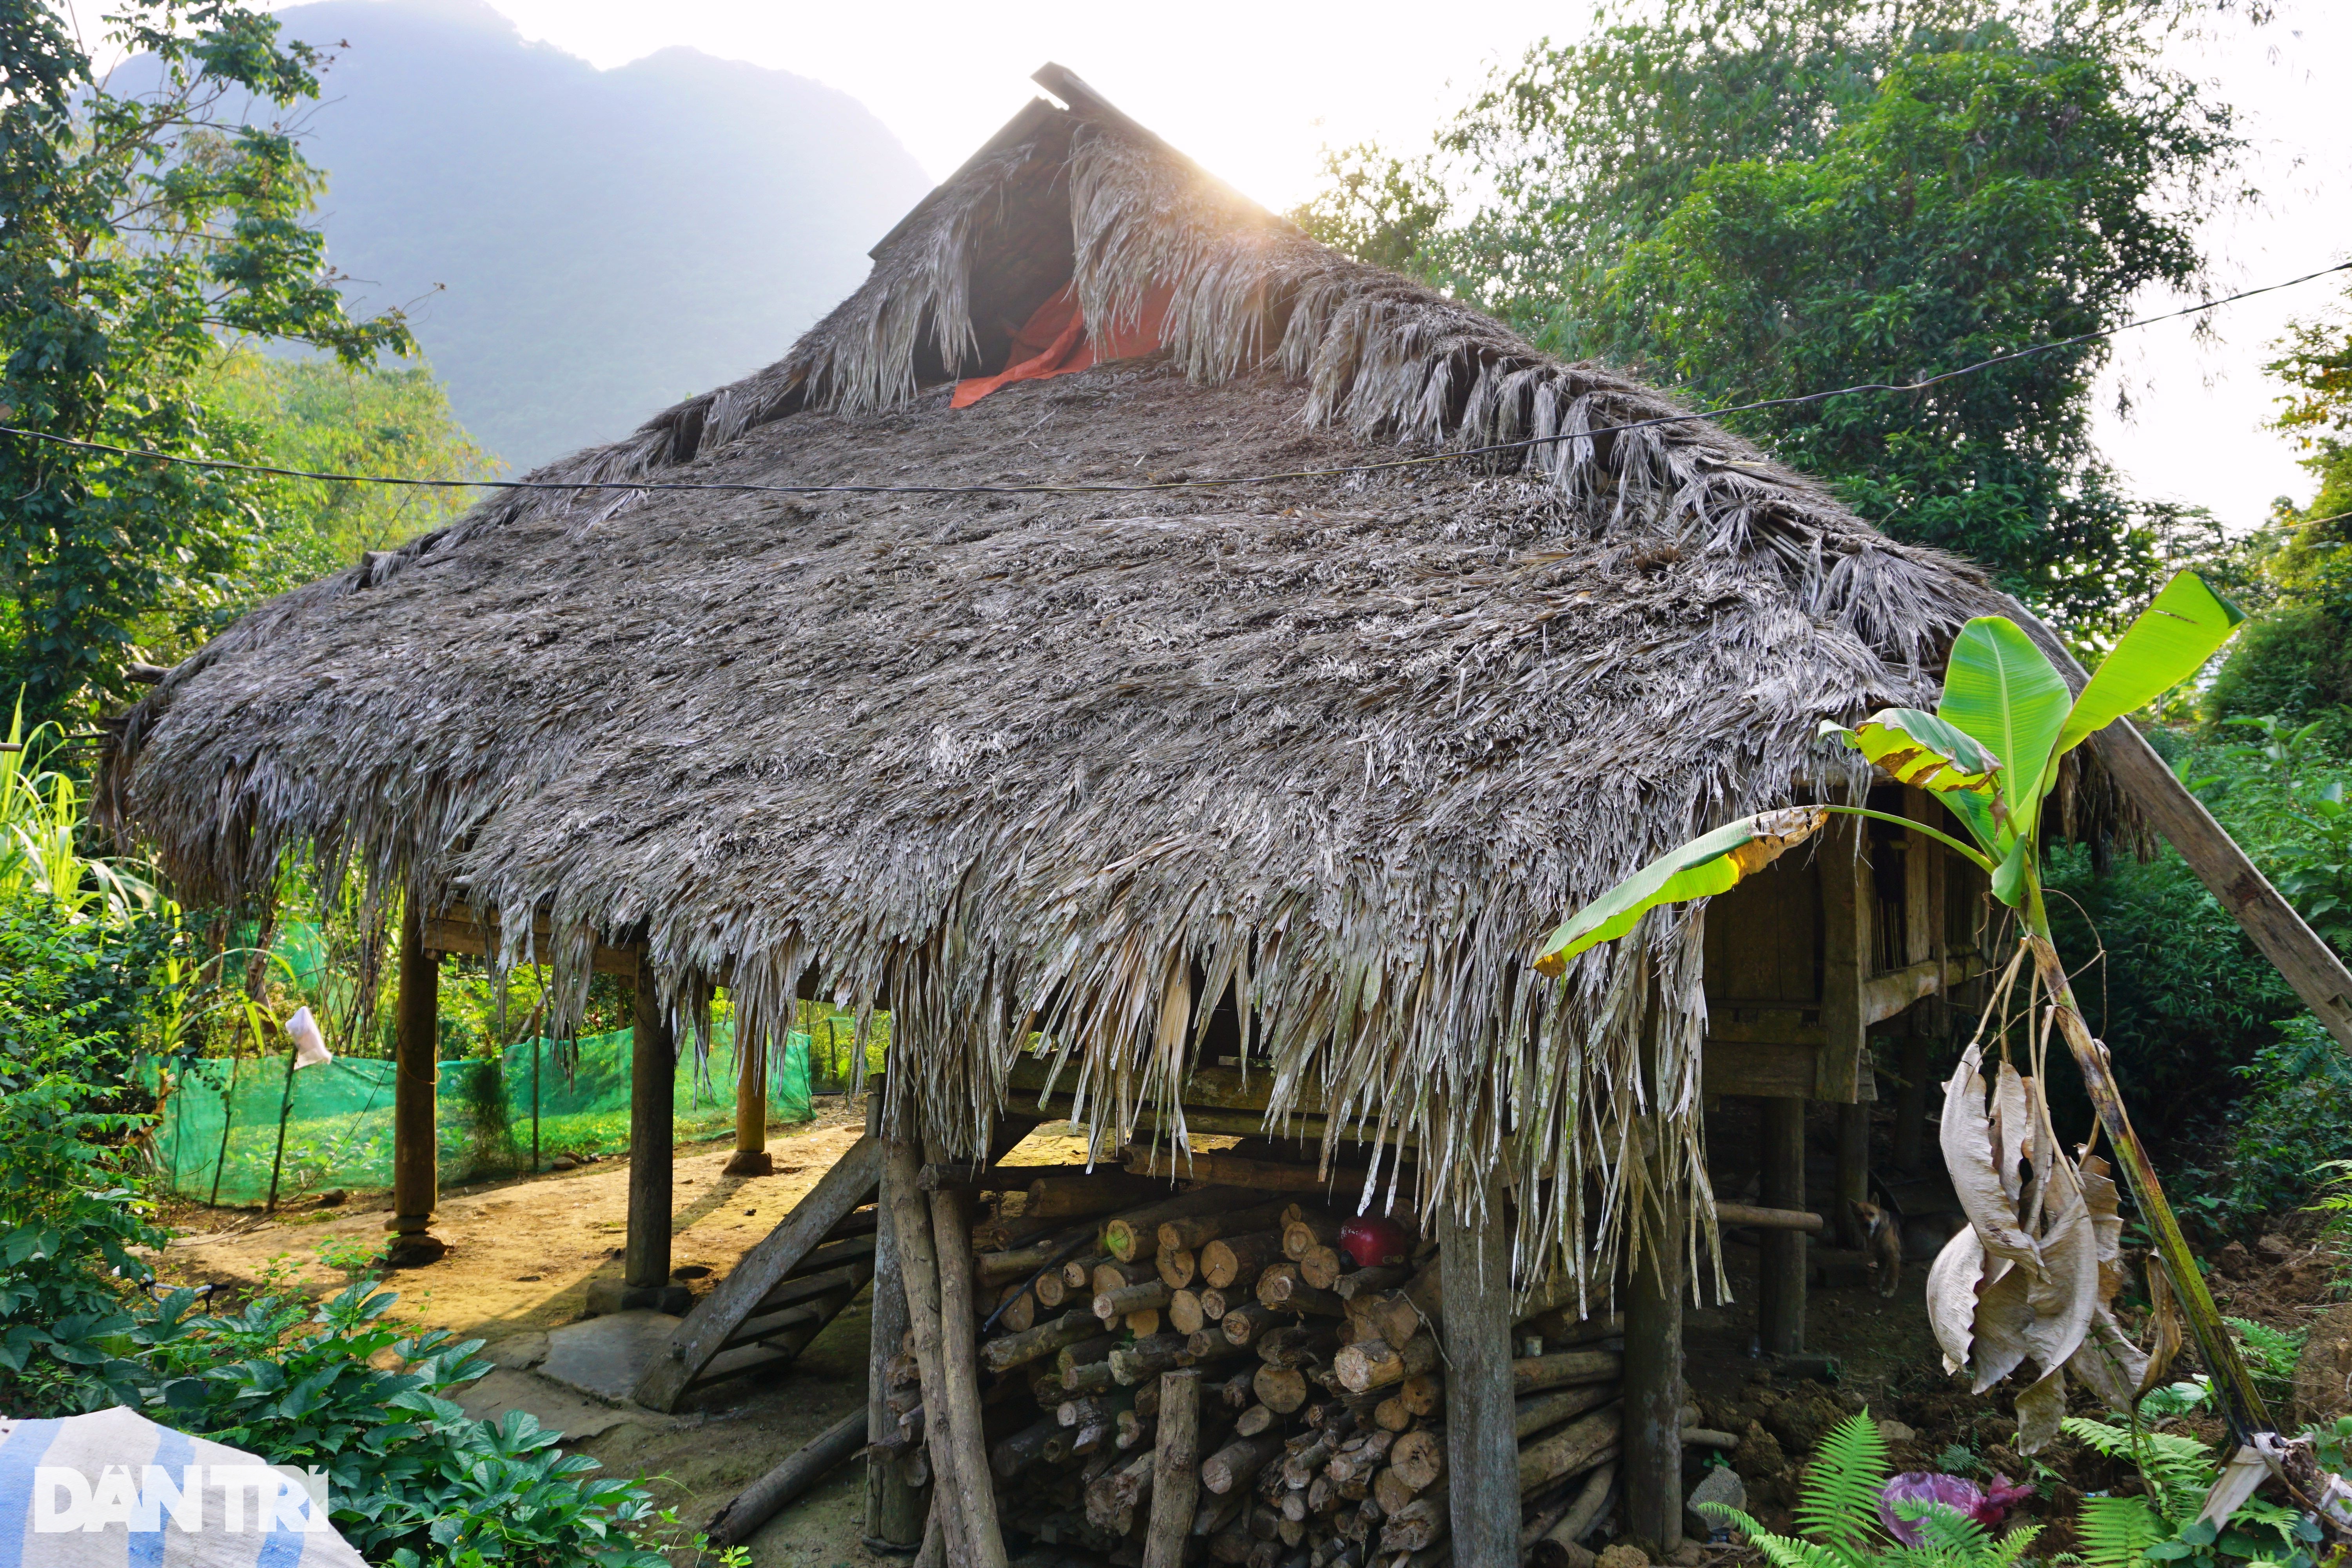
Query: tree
point(322, 415)
point(1753, 200)
point(136, 232)
point(2296, 663)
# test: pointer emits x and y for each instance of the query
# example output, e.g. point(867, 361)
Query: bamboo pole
point(285, 1112)
point(228, 1110)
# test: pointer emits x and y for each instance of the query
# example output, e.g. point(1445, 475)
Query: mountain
point(577, 247)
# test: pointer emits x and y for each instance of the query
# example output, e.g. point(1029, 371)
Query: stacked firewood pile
point(1243, 1376)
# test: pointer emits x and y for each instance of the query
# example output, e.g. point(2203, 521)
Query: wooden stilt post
point(416, 1138)
point(1848, 909)
point(1923, 934)
point(975, 1493)
point(751, 1158)
point(1651, 1440)
point(1780, 1276)
point(1482, 1452)
point(652, 1094)
point(893, 1511)
point(1853, 1171)
point(918, 1263)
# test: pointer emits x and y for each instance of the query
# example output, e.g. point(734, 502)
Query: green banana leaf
point(1920, 749)
point(2167, 642)
point(1712, 863)
point(2003, 693)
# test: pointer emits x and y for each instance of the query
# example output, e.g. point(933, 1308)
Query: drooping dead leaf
point(2106, 1224)
point(1952, 1283)
point(2068, 1291)
point(2012, 1129)
point(1967, 1139)
point(2109, 1364)
point(2040, 1409)
point(2003, 1324)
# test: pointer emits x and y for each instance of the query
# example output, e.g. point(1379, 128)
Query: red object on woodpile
point(1372, 1241)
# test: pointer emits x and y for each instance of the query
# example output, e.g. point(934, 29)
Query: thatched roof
point(1063, 761)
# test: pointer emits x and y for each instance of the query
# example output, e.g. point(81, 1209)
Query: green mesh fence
point(339, 1114)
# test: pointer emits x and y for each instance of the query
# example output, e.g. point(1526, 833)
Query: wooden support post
point(751, 1158)
point(1651, 1440)
point(918, 1262)
point(1849, 908)
point(960, 1359)
point(1781, 1274)
point(2304, 961)
point(1481, 1446)
point(1924, 942)
point(415, 1141)
point(1853, 1172)
point(653, 1093)
point(893, 1509)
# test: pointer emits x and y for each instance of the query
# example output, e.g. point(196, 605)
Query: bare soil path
point(522, 1255)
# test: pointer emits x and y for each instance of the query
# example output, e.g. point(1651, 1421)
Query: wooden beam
point(1781, 1272)
point(415, 1146)
point(1482, 1454)
point(1769, 1072)
point(1764, 1218)
point(1886, 994)
point(2309, 966)
point(1205, 1087)
point(461, 933)
point(765, 1498)
point(1263, 1175)
point(694, 1343)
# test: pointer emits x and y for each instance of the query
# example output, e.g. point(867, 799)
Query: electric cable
point(1456, 455)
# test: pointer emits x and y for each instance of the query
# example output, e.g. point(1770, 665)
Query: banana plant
point(1992, 752)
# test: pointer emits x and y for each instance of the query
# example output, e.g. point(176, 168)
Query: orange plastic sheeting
point(1056, 341)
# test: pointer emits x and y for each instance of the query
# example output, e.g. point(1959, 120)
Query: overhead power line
point(1422, 460)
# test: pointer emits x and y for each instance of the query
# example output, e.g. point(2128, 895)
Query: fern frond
point(1787, 1551)
point(1946, 1532)
point(2011, 1547)
point(2116, 1531)
point(1838, 1503)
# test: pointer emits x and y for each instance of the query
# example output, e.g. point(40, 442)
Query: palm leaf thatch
point(1077, 766)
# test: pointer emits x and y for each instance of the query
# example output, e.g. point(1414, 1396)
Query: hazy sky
point(1254, 90)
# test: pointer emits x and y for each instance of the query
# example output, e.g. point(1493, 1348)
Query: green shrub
point(413, 1479)
point(68, 1215)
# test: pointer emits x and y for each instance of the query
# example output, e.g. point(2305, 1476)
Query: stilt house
point(1133, 645)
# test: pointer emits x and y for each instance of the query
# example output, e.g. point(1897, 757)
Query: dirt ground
point(522, 1255)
